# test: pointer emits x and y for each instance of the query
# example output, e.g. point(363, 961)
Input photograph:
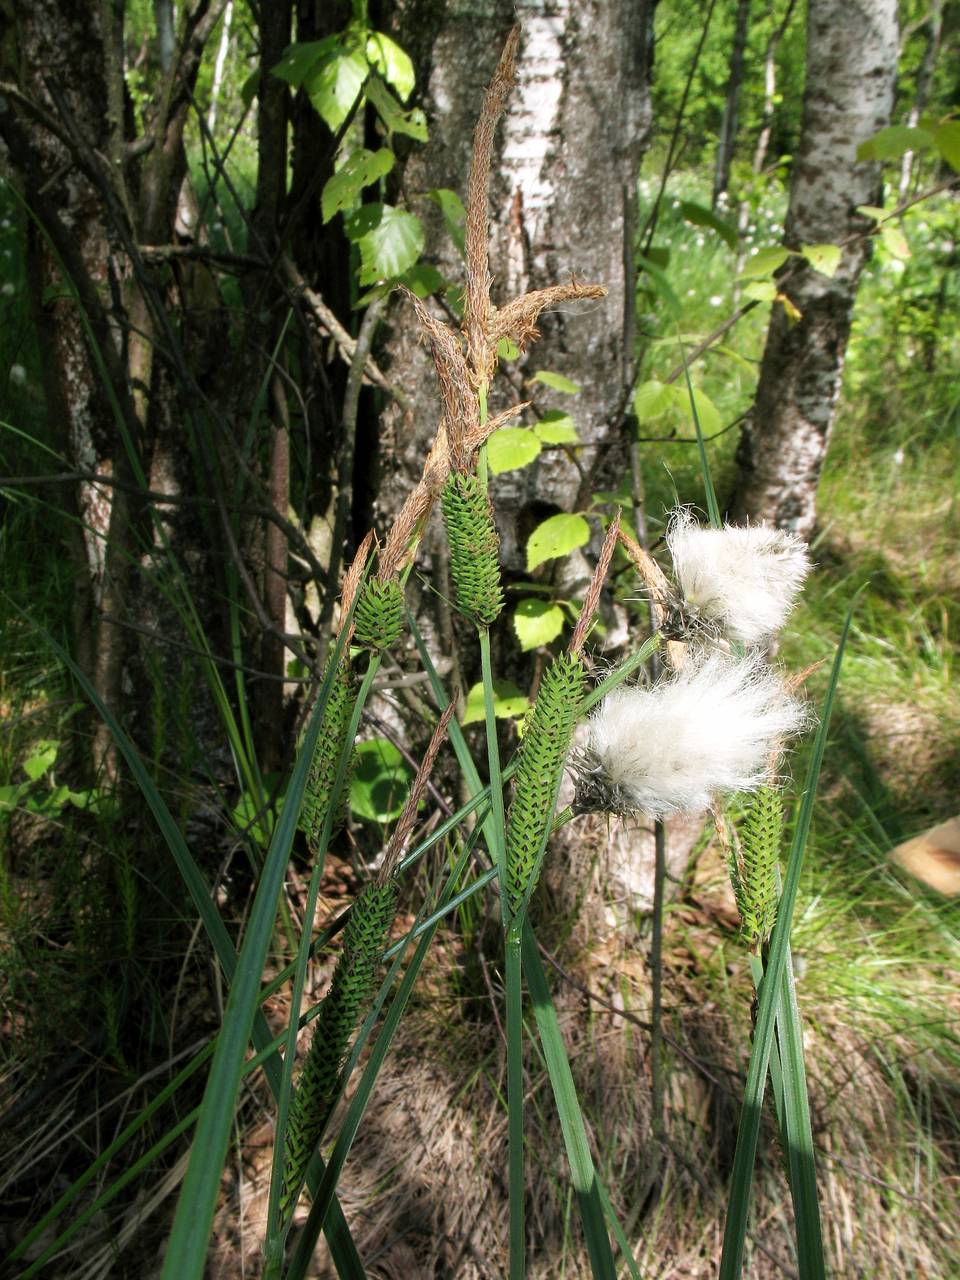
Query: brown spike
point(592, 598)
point(518, 319)
point(462, 412)
point(476, 309)
point(353, 577)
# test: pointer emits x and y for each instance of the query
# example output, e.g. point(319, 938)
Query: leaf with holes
point(557, 536)
point(824, 258)
point(412, 123)
point(537, 622)
point(334, 84)
point(359, 170)
point(511, 448)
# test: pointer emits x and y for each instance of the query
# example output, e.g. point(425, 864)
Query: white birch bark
point(851, 68)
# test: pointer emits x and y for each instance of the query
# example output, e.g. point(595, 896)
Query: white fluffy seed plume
point(743, 580)
point(713, 728)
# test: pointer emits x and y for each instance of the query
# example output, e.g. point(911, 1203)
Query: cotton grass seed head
point(742, 580)
point(715, 727)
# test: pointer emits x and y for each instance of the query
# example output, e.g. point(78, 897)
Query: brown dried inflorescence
point(466, 362)
point(592, 599)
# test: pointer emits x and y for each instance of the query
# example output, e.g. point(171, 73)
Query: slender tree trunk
point(731, 109)
point(924, 81)
point(851, 65)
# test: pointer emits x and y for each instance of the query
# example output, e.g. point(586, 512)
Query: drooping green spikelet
point(754, 872)
point(326, 755)
point(353, 981)
point(474, 548)
point(378, 617)
point(543, 750)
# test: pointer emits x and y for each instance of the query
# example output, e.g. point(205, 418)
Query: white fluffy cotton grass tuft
point(743, 580)
point(715, 727)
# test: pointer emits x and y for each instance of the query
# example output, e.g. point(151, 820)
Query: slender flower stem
point(493, 761)
point(515, 1106)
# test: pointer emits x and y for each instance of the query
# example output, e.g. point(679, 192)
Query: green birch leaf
point(454, 216)
point(413, 123)
point(894, 141)
point(424, 279)
point(360, 169)
point(380, 781)
point(537, 622)
point(511, 448)
point(335, 83)
point(760, 290)
point(824, 258)
point(556, 382)
point(946, 138)
point(508, 702)
point(707, 412)
point(895, 242)
point(507, 350)
point(390, 240)
point(651, 399)
point(392, 63)
point(556, 427)
point(765, 262)
point(557, 536)
point(300, 59)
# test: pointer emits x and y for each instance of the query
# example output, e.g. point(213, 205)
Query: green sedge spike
point(323, 767)
point(474, 548)
point(378, 617)
point(754, 873)
point(353, 982)
point(543, 750)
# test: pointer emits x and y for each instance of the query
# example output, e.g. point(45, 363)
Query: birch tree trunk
point(851, 68)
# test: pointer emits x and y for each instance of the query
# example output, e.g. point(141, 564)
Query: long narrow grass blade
point(187, 1249)
point(274, 1226)
point(623, 1244)
point(731, 1262)
point(798, 1135)
point(571, 1120)
point(345, 1255)
point(307, 1242)
point(119, 1142)
point(710, 494)
point(516, 1178)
